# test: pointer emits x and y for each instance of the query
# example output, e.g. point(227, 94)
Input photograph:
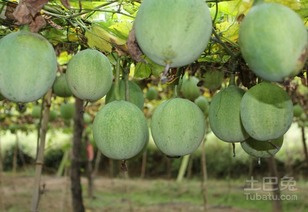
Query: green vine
point(232, 79)
point(117, 80)
point(125, 77)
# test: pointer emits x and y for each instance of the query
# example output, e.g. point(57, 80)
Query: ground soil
point(16, 194)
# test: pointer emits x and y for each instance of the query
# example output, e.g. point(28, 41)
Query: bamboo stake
point(276, 203)
point(75, 174)
point(204, 181)
point(183, 168)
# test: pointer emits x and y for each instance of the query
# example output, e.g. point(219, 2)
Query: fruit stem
point(175, 94)
point(117, 79)
point(165, 73)
point(233, 149)
point(232, 79)
point(25, 27)
point(178, 86)
point(126, 72)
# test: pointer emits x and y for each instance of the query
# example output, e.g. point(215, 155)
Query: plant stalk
point(183, 168)
point(117, 80)
point(37, 191)
point(75, 172)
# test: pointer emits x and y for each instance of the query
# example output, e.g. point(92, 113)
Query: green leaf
point(145, 69)
point(142, 70)
point(100, 38)
point(64, 58)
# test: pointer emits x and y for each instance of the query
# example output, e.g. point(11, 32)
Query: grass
point(221, 194)
point(143, 195)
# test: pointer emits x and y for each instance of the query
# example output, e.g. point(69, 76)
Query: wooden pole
point(40, 154)
point(75, 174)
point(277, 206)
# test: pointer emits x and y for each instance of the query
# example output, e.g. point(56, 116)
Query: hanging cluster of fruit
point(174, 34)
point(273, 42)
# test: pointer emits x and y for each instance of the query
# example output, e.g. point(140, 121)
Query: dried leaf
point(27, 12)
point(35, 6)
point(10, 7)
point(22, 14)
point(38, 23)
point(133, 47)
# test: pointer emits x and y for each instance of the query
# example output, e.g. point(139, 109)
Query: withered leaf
point(133, 47)
point(35, 5)
point(37, 23)
point(22, 14)
point(27, 12)
point(10, 7)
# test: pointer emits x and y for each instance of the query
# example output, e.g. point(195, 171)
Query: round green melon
point(89, 75)
point(212, 80)
point(135, 93)
point(87, 118)
point(36, 111)
point(266, 111)
point(273, 41)
point(224, 115)
point(120, 130)
point(67, 110)
point(203, 104)
point(189, 88)
point(298, 110)
point(262, 149)
point(173, 33)
point(177, 127)
point(151, 93)
point(60, 87)
point(28, 66)
point(52, 115)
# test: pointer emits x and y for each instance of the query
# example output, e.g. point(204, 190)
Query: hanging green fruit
point(67, 111)
point(89, 75)
point(273, 41)
point(120, 130)
point(262, 149)
point(28, 66)
point(60, 87)
point(224, 115)
point(151, 93)
point(266, 111)
point(189, 88)
point(203, 104)
point(213, 79)
point(173, 33)
point(178, 127)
